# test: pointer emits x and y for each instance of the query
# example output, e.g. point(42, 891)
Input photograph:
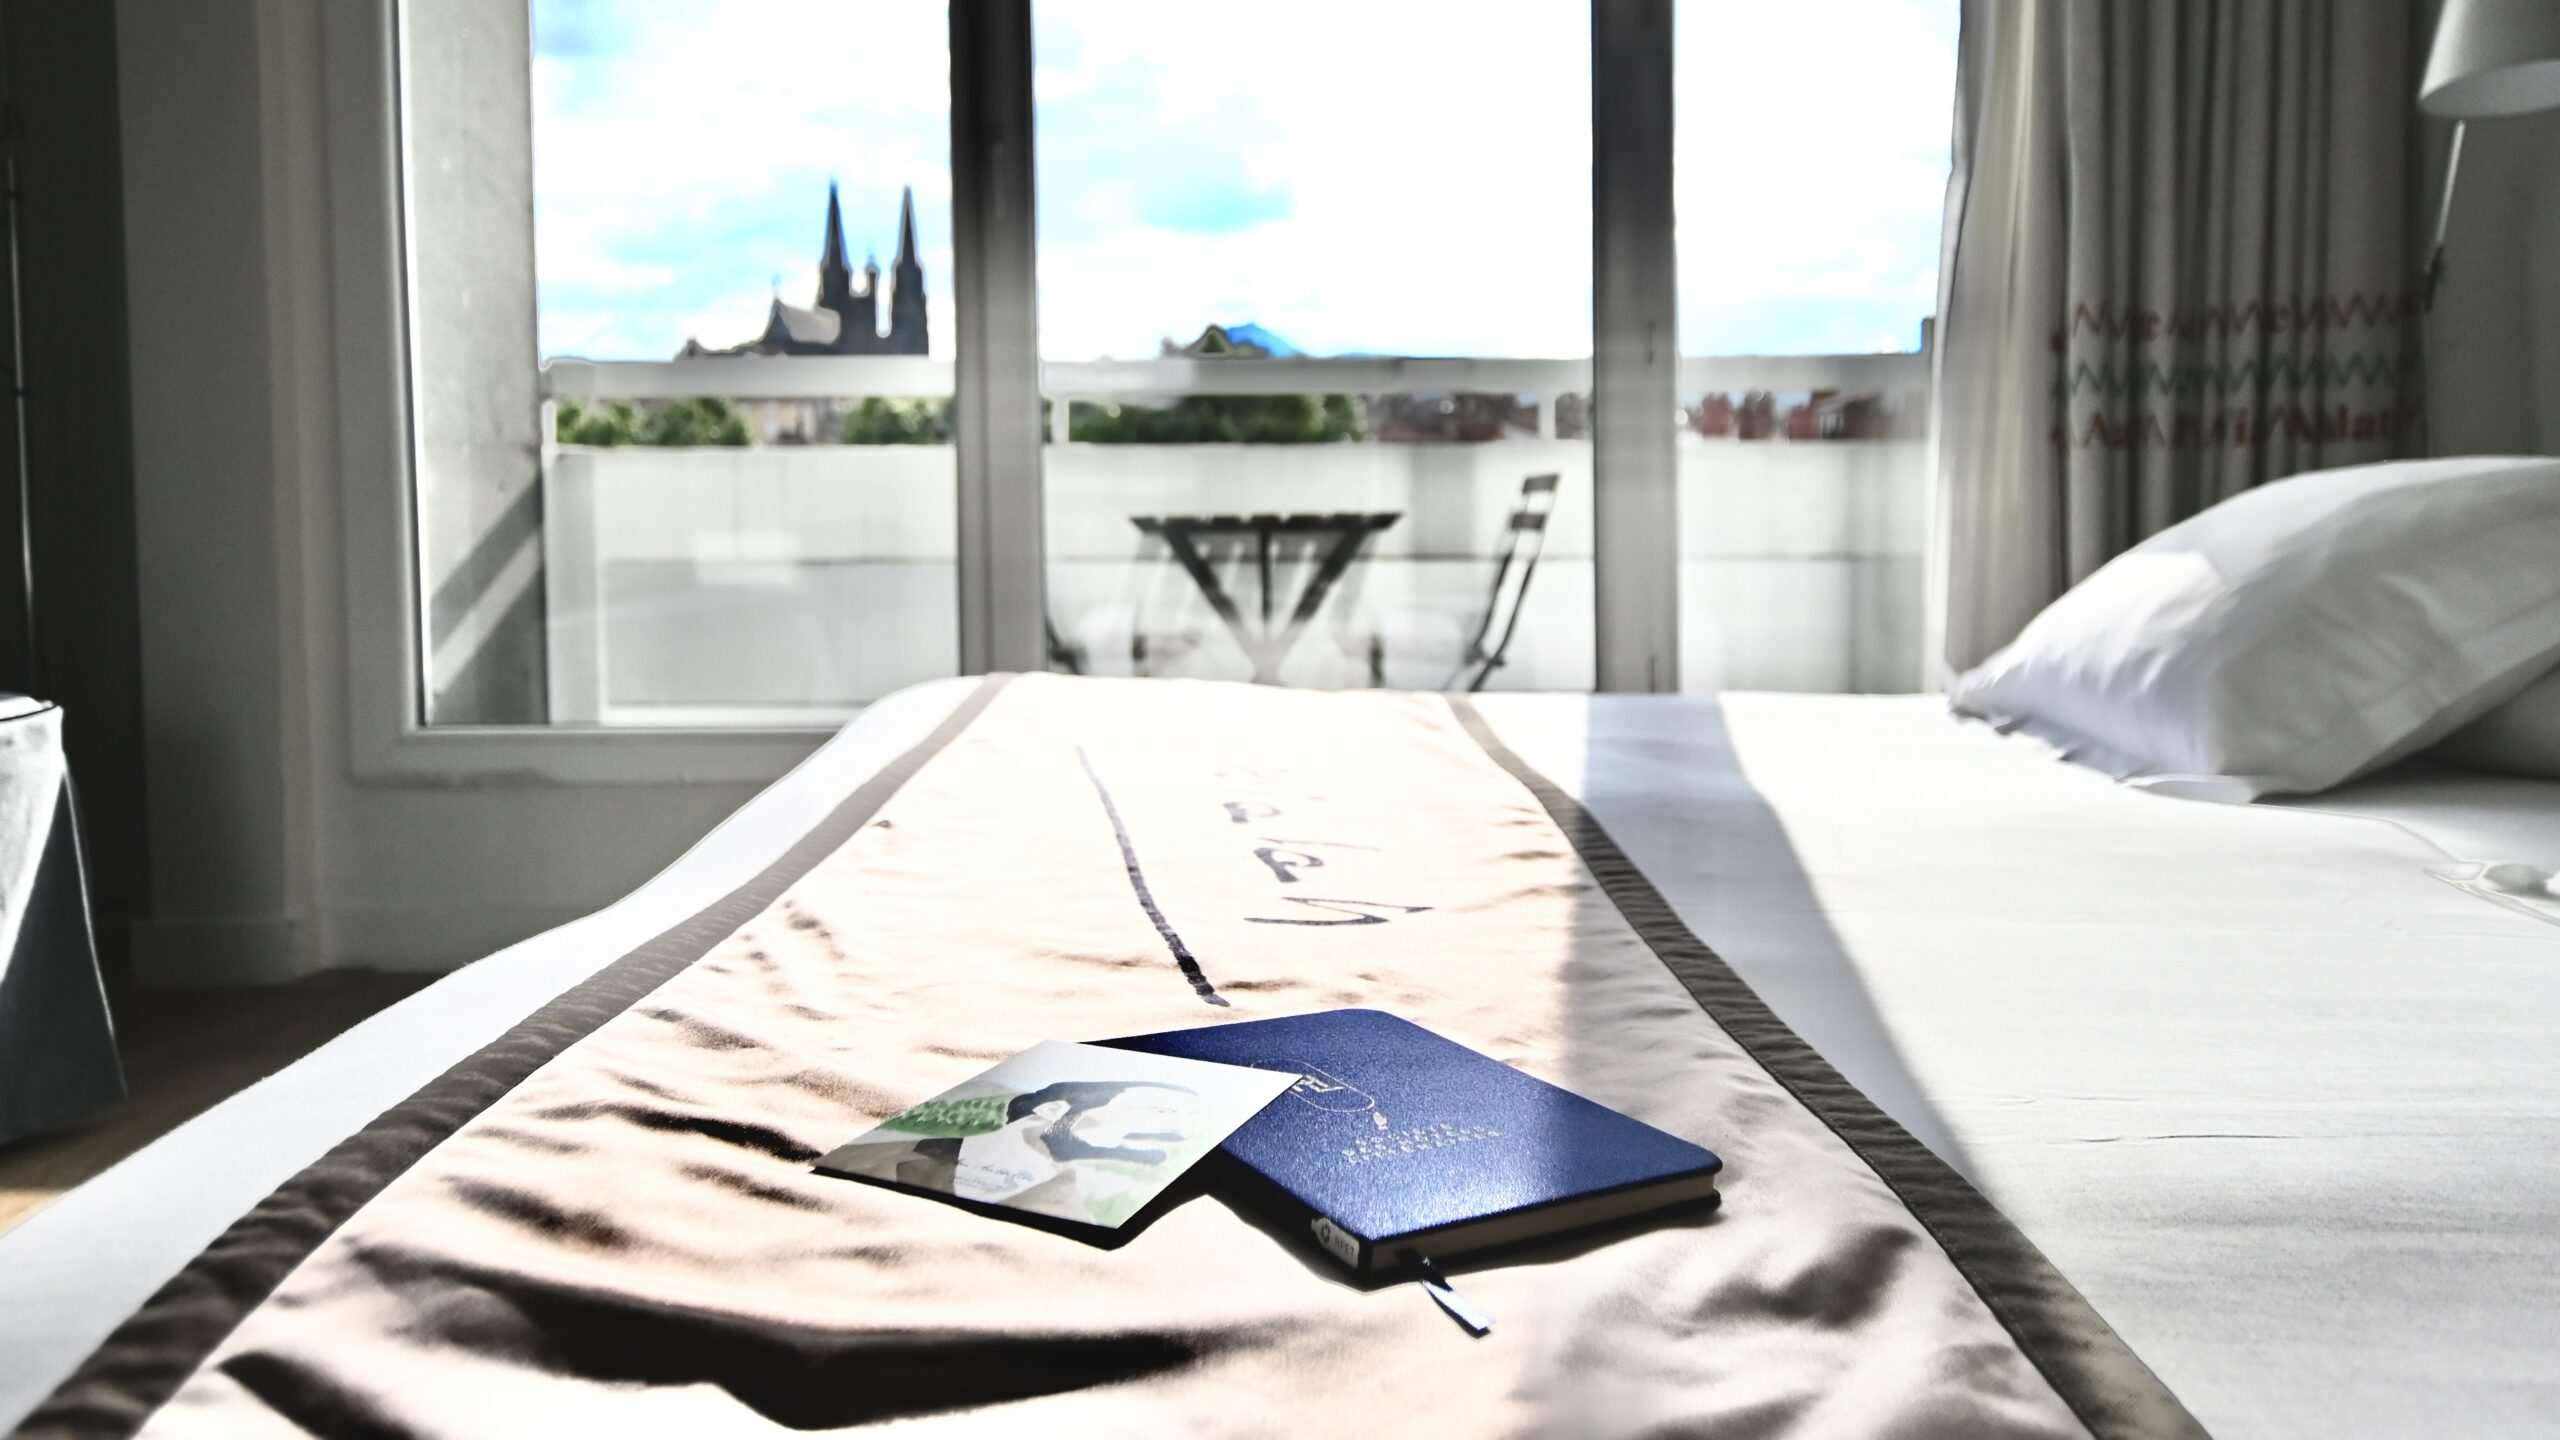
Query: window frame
point(998, 432)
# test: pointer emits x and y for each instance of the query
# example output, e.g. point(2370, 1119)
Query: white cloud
point(1812, 142)
point(576, 257)
point(1434, 157)
point(662, 163)
point(1437, 156)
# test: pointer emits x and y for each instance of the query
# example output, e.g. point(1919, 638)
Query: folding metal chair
point(1523, 539)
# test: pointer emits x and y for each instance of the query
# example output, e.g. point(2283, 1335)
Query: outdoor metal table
point(1338, 539)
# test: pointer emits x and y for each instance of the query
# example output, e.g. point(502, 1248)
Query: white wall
point(2493, 343)
point(475, 392)
point(268, 857)
point(224, 729)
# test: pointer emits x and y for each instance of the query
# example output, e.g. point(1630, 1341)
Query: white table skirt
point(57, 1046)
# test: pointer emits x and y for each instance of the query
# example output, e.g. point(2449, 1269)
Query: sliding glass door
point(1812, 152)
point(1315, 322)
point(1315, 318)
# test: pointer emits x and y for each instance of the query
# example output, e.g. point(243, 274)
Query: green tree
point(696, 422)
point(880, 420)
point(616, 424)
point(1221, 420)
point(677, 422)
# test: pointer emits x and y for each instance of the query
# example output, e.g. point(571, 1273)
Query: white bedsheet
point(2279, 1101)
point(2465, 814)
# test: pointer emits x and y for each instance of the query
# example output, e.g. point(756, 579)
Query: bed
point(2271, 1089)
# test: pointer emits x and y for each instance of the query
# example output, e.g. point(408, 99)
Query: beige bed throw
point(607, 1223)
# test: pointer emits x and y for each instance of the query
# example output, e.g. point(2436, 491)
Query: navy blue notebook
point(1399, 1146)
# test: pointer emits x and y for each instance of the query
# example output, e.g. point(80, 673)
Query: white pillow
point(2297, 634)
point(2521, 737)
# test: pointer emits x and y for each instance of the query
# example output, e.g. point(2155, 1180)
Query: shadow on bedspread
point(1667, 784)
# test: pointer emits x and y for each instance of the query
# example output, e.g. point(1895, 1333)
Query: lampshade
point(2493, 58)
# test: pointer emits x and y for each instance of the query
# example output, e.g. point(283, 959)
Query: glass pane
point(1315, 312)
point(683, 457)
point(1812, 144)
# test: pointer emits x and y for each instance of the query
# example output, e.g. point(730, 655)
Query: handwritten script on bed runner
point(1251, 796)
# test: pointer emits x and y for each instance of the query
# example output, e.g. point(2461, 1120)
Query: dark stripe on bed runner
point(153, 1352)
point(2106, 1385)
point(1182, 956)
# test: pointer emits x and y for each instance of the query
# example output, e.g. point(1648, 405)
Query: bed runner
point(608, 1218)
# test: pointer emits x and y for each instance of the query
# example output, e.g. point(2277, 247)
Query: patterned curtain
point(2177, 266)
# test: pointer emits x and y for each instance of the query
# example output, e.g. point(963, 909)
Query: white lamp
point(2492, 58)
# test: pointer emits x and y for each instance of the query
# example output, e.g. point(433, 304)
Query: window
point(1315, 313)
point(1812, 153)
point(715, 484)
point(1315, 307)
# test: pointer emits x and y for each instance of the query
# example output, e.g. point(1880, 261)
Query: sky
point(1410, 177)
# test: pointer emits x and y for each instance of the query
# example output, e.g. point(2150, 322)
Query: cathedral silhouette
point(846, 320)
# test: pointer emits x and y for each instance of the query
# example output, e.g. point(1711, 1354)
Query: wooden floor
point(184, 1051)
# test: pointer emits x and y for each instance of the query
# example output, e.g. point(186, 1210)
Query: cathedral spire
point(907, 231)
point(835, 272)
point(906, 302)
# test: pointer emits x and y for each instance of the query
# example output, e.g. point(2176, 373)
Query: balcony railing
point(795, 581)
point(845, 377)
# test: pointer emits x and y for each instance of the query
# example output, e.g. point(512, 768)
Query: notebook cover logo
point(1322, 1088)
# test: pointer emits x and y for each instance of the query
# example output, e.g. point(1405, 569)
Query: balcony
point(792, 583)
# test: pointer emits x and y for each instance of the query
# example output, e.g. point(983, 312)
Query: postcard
point(1073, 1132)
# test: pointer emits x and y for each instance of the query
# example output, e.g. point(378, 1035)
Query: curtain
point(2176, 265)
